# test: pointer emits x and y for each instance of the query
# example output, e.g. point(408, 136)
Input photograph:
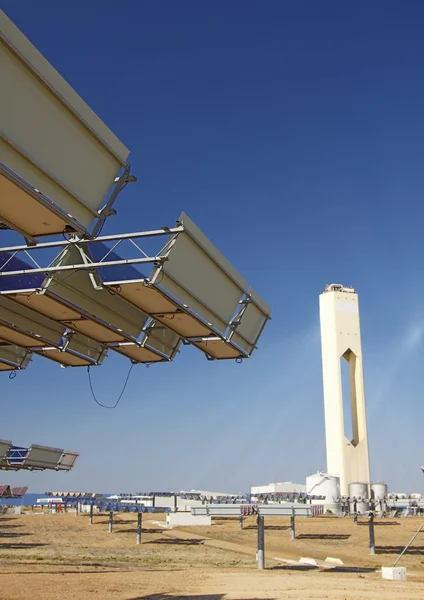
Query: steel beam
point(100, 238)
point(86, 266)
point(269, 510)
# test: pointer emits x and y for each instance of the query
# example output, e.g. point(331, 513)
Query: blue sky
point(293, 134)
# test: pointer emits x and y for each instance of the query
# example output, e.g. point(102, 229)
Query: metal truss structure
point(74, 299)
point(90, 299)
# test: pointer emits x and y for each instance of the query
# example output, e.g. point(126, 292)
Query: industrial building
point(282, 487)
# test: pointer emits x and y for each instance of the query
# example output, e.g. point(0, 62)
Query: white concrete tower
point(341, 340)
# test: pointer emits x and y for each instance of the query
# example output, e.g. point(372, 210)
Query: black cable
point(115, 290)
point(120, 395)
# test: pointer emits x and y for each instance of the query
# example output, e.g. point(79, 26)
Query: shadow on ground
point(3, 519)
point(187, 542)
point(270, 527)
point(294, 568)
point(188, 597)
point(134, 530)
point(380, 523)
point(18, 546)
point(9, 534)
point(399, 549)
point(352, 570)
point(323, 536)
point(332, 570)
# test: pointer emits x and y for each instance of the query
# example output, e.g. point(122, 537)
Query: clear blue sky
point(293, 134)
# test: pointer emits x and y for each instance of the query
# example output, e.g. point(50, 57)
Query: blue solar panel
point(16, 455)
point(98, 251)
point(18, 282)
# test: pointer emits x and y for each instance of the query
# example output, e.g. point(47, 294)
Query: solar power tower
point(79, 295)
point(347, 451)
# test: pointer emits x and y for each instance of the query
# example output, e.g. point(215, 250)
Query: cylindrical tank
point(360, 492)
point(322, 484)
point(378, 491)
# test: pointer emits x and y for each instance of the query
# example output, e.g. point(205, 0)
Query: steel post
point(292, 526)
point(261, 542)
point(90, 520)
point(110, 526)
point(371, 531)
point(241, 521)
point(139, 521)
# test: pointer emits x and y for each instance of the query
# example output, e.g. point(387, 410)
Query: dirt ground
point(63, 557)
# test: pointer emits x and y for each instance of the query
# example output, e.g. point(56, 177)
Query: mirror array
point(81, 295)
point(8, 492)
point(35, 458)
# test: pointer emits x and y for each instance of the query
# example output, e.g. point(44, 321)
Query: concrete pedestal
point(394, 573)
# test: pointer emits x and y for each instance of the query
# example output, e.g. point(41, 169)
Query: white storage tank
point(359, 491)
point(378, 491)
point(322, 484)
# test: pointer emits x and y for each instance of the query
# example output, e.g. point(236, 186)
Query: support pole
point(110, 526)
point(76, 508)
point(241, 521)
point(90, 520)
point(261, 542)
point(139, 521)
point(292, 526)
point(371, 531)
point(408, 544)
point(355, 511)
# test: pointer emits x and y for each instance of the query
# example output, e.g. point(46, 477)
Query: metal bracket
point(104, 212)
